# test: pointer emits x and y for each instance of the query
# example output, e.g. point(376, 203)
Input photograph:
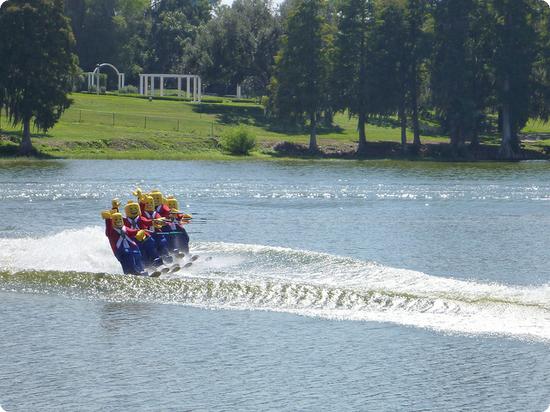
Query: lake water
point(332, 286)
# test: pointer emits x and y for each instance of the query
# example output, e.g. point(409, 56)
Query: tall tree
point(37, 64)
point(301, 72)
point(455, 68)
point(514, 59)
point(540, 104)
point(112, 31)
point(238, 45)
point(388, 59)
point(174, 24)
point(417, 46)
point(349, 75)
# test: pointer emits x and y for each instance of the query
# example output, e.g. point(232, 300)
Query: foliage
point(129, 90)
point(349, 76)
point(460, 72)
point(238, 141)
point(35, 79)
point(175, 24)
point(237, 47)
point(300, 83)
point(111, 31)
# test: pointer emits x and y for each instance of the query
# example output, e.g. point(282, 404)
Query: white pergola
point(93, 77)
point(194, 86)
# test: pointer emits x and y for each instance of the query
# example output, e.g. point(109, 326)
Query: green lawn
point(110, 126)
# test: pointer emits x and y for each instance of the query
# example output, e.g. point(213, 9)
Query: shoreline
point(282, 151)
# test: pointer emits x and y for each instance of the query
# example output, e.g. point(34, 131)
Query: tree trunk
point(474, 141)
point(25, 147)
point(455, 138)
point(328, 118)
point(415, 124)
point(414, 101)
point(509, 147)
point(403, 122)
point(362, 147)
point(313, 148)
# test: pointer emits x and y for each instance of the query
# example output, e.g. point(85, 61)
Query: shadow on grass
point(254, 116)
point(9, 147)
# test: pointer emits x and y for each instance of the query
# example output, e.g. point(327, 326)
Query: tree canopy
point(37, 64)
point(468, 66)
point(300, 82)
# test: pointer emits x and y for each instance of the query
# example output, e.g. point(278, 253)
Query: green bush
point(93, 89)
point(238, 141)
point(128, 89)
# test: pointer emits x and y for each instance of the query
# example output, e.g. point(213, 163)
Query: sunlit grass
point(116, 127)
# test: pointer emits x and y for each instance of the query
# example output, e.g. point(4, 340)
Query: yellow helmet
point(149, 203)
point(157, 197)
point(117, 220)
point(171, 202)
point(132, 209)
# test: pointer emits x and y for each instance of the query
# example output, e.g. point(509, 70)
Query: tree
point(540, 98)
point(174, 24)
point(455, 68)
point(513, 64)
point(417, 47)
point(37, 64)
point(388, 59)
point(349, 77)
point(238, 45)
point(112, 31)
point(299, 85)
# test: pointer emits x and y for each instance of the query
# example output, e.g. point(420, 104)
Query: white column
point(162, 86)
point(200, 89)
point(123, 79)
point(238, 91)
point(152, 85)
point(179, 86)
point(195, 89)
point(97, 87)
point(187, 89)
point(140, 84)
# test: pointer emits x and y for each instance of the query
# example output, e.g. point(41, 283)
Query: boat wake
point(80, 264)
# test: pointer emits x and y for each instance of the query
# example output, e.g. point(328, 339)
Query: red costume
point(149, 216)
point(163, 210)
point(120, 238)
point(139, 222)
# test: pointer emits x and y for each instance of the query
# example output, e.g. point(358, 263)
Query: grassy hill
point(111, 126)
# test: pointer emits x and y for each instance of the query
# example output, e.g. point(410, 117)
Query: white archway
point(93, 77)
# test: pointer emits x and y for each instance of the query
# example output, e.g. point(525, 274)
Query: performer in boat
point(147, 247)
point(124, 243)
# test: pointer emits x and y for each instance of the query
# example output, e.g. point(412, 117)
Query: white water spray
point(253, 277)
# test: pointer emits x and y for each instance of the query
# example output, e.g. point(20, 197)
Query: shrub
point(128, 89)
point(238, 141)
point(93, 89)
